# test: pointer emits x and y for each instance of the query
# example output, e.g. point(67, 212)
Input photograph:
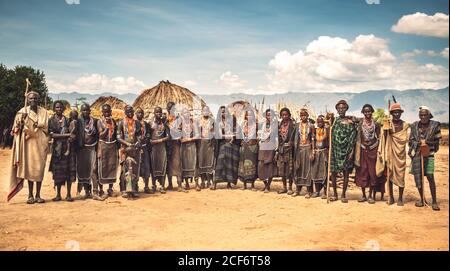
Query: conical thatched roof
point(114, 102)
point(165, 92)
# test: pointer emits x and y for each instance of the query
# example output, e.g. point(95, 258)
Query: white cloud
point(431, 53)
point(412, 53)
point(423, 24)
point(189, 83)
point(231, 81)
point(444, 53)
point(98, 83)
point(336, 64)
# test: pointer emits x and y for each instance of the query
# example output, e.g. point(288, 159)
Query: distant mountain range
point(436, 99)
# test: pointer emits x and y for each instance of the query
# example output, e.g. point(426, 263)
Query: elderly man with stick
point(423, 144)
point(30, 148)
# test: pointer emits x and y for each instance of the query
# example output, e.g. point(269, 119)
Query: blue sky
point(226, 46)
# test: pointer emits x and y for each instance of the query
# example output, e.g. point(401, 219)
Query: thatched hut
point(165, 92)
point(117, 106)
point(114, 102)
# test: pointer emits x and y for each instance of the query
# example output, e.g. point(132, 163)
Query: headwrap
point(424, 107)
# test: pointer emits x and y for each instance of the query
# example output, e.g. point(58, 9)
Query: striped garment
point(248, 163)
point(227, 162)
point(342, 142)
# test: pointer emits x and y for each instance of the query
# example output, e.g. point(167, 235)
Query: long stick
point(424, 201)
point(26, 91)
point(19, 139)
point(329, 160)
point(386, 134)
point(139, 166)
point(386, 153)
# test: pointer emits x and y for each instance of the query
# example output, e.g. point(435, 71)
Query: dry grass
point(114, 102)
point(165, 92)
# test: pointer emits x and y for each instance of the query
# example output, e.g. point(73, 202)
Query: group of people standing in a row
point(209, 151)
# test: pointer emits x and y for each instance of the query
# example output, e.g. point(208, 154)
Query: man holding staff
point(392, 151)
point(423, 144)
point(30, 148)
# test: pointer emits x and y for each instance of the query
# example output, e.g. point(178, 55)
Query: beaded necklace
point(160, 129)
point(368, 129)
point(284, 130)
point(109, 123)
point(129, 127)
point(304, 131)
point(89, 127)
point(321, 134)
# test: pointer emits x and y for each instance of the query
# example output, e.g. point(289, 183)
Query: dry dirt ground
point(223, 220)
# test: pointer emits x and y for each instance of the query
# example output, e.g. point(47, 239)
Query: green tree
point(12, 90)
point(379, 115)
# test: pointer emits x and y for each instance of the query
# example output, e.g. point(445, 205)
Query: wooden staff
point(21, 126)
point(26, 91)
point(386, 128)
point(329, 158)
point(422, 178)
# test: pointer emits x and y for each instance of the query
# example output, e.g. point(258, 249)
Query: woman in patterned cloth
point(267, 136)
point(248, 158)
point(304, 154)
point(320, 162)
point(62, 163)
point(227, 148)
point(366, 149)
point(206, 148)
point(285, 153)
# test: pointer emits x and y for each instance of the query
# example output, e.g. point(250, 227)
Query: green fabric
point(428, 165)
point(343, 141)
